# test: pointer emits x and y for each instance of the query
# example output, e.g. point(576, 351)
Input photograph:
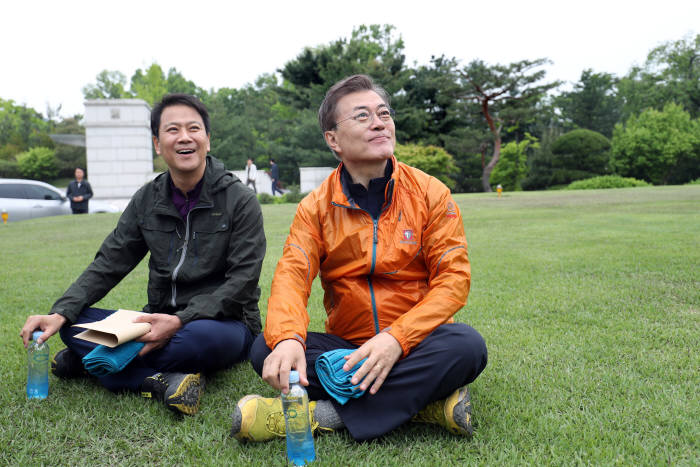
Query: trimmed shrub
point(432, 160)
point(266, 198)
point(579, 154)
point(38, 163)
point(293, 196)
point(606, 181)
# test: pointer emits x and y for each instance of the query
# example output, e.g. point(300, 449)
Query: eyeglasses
point(365, 117)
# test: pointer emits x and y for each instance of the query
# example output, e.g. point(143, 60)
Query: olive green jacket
point(206, 266)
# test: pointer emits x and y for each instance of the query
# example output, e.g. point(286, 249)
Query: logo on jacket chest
point(451, 211)
point(408, 237)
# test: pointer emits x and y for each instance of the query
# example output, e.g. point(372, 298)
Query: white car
point(27, 199)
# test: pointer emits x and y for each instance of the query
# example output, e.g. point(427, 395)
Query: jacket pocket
point(164, 240)
point(210, 238)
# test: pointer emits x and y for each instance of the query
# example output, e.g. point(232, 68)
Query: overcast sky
point(49, 50)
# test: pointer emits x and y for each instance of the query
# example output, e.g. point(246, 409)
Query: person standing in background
point(275, 175)
point(79, 193)
point(251, 173)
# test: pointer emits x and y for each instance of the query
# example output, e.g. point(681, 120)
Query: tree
point(428, 107)
point(69, 157)
point(150, 85)
point(109, 85)
point(593, 104)
point(432, 160)
point(579, 154)
point(21, 128)
point(38, 163)
point(671, 73)
point(506, 95)
point(658, 146)
point(371, 50)
point(512, 168)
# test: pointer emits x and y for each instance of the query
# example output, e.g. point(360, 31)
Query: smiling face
point(182, 142)
point(356, 143)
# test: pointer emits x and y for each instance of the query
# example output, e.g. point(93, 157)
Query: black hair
point(178, 99)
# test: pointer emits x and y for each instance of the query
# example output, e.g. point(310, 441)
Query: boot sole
point(187, 395)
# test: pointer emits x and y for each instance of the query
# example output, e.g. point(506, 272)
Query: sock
point(326, 416)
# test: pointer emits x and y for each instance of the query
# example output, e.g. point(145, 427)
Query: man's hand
point(287, 355)
point(163, 327)
point(50, 324)
point(78, 198)
point(382, 352)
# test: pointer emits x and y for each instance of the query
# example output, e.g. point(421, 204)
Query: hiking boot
point(258, 418)
point(179, 391)
point(67, 364)
point(453, 413)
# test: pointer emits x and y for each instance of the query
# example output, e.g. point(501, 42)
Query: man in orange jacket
point(388, 242)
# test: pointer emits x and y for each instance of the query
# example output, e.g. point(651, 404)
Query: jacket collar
point(216, 178)
point(341, 193)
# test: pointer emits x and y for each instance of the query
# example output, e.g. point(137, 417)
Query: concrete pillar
point(118, 145)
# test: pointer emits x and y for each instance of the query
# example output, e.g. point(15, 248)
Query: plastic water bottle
point(37, 368)
point(300, 443)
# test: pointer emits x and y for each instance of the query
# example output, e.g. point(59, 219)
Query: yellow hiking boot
point(258, 418)
point(453, 413)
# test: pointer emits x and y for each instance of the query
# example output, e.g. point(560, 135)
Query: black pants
point(450, 357)
point(202, 345)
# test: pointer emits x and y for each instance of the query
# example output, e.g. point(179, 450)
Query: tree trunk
point(486, 174)
point(496, 132)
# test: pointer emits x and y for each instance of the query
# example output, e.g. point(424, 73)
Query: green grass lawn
point(589, 302)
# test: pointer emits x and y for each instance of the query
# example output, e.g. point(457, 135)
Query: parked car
point(27, 199)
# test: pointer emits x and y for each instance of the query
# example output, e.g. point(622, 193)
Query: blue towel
point(335, 380)
point(103, 361)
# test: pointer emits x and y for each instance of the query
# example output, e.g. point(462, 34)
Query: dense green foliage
point(470, 110)
point(432, 160)
point(579, 154)
point(587, 301)
point(512, 168)
point(658, 146)
point(38, 163)
point(593, 103)
point(606, 181)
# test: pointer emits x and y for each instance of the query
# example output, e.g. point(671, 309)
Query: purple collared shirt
point(184, 203)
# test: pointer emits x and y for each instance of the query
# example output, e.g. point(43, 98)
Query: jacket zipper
point(173, 286)
point(375, 241)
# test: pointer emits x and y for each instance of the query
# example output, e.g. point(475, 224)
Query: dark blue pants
point(450, 357)
point(276, 187)
point(202, 345)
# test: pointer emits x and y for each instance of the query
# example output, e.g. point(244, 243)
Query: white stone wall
point(311, 177)
point(118, 145)
point(263, 182)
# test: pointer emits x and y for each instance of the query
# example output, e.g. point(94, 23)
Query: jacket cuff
point(285, 337)
point(185, 315)
point(402, 341)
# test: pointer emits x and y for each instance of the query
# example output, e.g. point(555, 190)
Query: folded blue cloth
point(335, 380)
point(103, 361)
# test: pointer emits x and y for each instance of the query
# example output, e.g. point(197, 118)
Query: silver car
point(27, 199)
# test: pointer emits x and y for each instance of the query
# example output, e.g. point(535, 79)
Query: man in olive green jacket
point(204, 232)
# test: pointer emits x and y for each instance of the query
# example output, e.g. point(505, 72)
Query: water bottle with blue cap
point(37, 368)
point(300, 442)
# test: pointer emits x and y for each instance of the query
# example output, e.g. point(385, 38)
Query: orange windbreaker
point(405, 273)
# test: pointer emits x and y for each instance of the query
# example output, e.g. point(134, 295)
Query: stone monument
point(118, 147)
